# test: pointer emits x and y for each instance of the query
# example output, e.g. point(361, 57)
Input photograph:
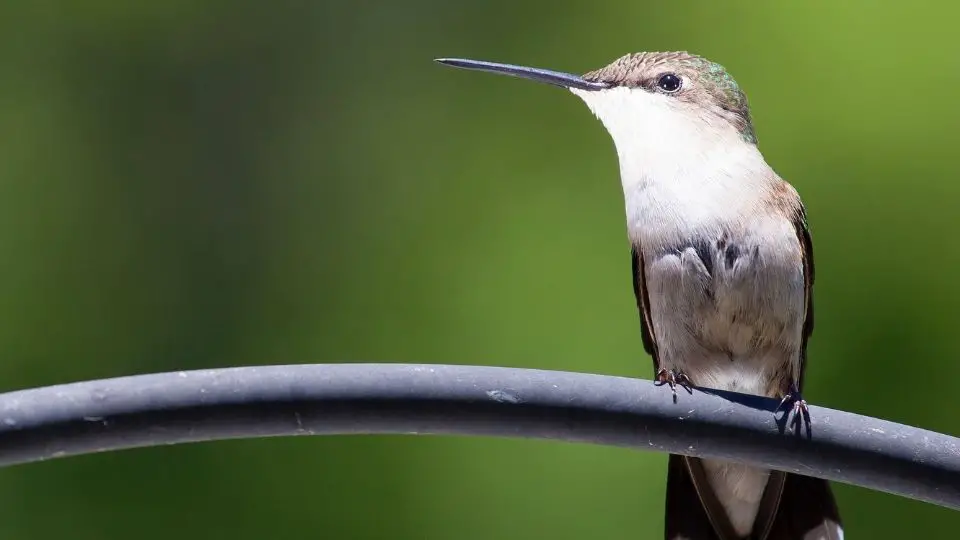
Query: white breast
point(678, 168)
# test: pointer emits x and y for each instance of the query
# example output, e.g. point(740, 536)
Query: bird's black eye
point(669, 83)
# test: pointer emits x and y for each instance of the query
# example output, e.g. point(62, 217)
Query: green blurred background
point(190, 184)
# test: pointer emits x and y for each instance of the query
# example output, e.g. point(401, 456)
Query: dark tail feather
point(807, 511)
point(686, 517)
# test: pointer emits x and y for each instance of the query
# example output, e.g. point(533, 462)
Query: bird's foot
point(673, 378)
point(794, 404)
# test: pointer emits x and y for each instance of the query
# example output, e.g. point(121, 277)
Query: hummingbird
point(722, 268)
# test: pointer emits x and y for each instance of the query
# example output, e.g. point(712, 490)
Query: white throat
point(677, 164)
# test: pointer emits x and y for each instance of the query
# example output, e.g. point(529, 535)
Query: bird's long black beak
point(556, 78)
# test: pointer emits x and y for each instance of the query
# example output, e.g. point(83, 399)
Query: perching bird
point(722, 272)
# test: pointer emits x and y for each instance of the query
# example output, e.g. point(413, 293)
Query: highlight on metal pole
point(327, 399)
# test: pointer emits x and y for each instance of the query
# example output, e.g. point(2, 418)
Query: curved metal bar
point(192, 406)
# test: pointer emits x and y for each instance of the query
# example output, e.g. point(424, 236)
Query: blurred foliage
point(191, 184)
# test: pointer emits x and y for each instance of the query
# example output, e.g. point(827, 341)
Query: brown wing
point(806, 246)
point(690, 511)
point(808, 510)
point(643, 305)
point(805, 507)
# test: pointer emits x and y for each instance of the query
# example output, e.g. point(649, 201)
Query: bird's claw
point(794, 404)
point(673, 378)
